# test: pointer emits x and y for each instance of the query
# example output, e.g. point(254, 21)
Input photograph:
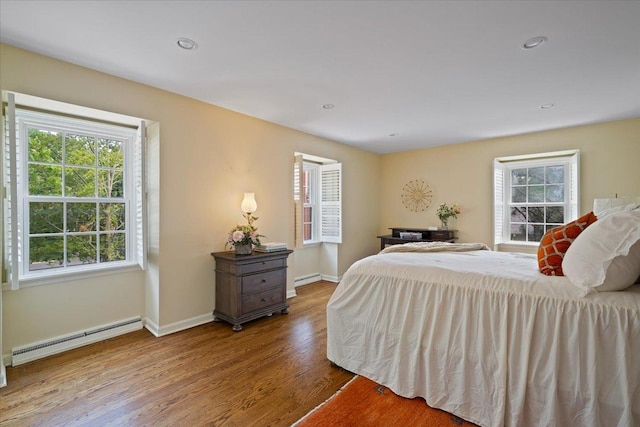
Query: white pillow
point(615, 209)
point(606, 255)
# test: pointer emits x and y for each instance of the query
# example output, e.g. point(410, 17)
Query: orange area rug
point(362, 402)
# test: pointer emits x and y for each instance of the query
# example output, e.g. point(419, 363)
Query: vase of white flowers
point(445, 212)
point(242, 238)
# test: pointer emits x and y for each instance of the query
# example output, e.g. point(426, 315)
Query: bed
point(484, 335)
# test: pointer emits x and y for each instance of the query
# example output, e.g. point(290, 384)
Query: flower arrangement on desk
point(243, 235)
point(445, 212)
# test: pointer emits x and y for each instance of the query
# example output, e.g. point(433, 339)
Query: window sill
point(311, 243)
point(68, 276)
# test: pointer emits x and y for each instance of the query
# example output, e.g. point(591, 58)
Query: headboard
point(601, 204)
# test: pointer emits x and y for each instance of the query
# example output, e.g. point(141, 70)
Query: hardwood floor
point(270, 374)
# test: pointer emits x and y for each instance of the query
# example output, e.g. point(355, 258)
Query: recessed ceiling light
point(328, 106)
point(534, 42)
point(187, 44)
point(547, 106)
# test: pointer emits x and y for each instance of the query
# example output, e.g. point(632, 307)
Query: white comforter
point(485, 336)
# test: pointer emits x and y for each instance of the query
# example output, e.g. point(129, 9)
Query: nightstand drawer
point(442, 235)
point(262, 299)
point(261, 266)
point(260, 282)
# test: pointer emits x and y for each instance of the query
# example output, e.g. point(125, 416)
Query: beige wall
point(463, 173)
point(206, 158)
point(308, 261)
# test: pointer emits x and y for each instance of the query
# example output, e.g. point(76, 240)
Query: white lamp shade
point(249, 204)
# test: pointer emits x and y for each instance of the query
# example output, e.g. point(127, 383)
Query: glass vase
point(444, 224)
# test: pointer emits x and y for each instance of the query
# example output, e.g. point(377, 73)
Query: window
point(534, 194)
point(75, 203)
point(317, 195)
point(310, 202)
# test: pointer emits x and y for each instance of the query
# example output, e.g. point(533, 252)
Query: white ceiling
point(430, 73)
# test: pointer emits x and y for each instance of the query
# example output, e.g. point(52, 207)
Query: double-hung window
point(317, 195)
point(310, 227)
point(533, 194)
point(76, 196)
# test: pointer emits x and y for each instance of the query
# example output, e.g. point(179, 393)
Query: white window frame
point(17, 198)
point(312, 170)
point(502, 167)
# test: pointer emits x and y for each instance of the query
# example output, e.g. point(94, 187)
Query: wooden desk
point(427, 236)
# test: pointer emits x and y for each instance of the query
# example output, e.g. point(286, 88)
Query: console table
point(427, 236)
point(250, 286)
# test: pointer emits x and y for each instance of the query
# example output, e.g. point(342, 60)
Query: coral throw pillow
point(555, 242)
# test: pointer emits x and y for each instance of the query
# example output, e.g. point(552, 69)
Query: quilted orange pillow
point(555, 242)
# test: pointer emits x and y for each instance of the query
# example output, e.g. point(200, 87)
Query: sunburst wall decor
point(416, 195)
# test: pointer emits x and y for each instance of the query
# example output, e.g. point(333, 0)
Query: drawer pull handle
point(264, 280)
point(263, 300)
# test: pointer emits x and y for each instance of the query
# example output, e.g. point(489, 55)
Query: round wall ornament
point(416, 195)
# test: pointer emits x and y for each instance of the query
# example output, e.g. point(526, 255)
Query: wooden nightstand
point(250, 286)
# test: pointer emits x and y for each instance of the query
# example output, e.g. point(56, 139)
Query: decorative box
point(410, 235)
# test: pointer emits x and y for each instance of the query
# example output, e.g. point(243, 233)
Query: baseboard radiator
point(305, 280)
point(57, 345)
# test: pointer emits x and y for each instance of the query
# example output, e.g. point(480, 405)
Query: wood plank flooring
point(270, 374)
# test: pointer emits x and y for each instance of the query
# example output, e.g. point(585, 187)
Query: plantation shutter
point(498, 202)
point(331, 203)
point(141, 194)
point(297, 200)
point(574, 202)
point(11, 214)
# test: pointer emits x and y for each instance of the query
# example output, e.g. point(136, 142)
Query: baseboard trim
point(160, 331)
point(334, 279)
point(151, 326)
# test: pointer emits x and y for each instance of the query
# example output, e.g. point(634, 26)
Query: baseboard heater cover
point(305, 280)
point(57, 345)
